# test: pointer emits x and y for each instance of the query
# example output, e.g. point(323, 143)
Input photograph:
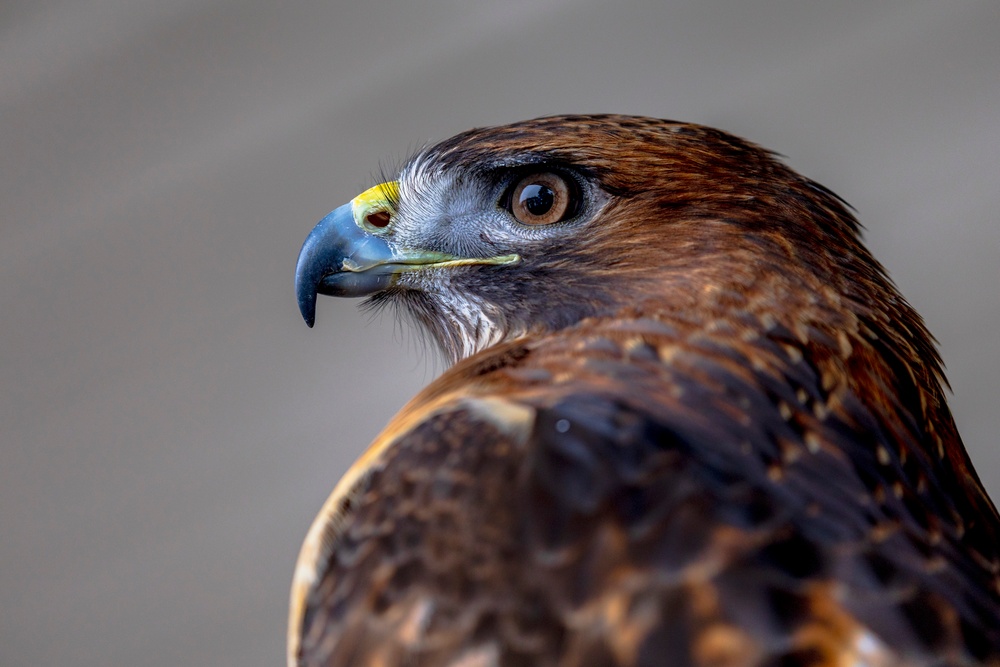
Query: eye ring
point(543, 198)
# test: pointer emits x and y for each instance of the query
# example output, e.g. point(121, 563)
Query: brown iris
point(542, 198)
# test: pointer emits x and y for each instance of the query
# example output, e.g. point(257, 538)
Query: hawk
point(689, 421)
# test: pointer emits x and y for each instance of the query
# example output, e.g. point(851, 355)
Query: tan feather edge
point(509, 417)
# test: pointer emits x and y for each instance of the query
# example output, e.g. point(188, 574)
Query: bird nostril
point(379, 219)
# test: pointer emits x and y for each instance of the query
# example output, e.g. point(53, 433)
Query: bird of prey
point(689, 421)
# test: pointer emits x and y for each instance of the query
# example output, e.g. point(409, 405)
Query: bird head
point(534, 226)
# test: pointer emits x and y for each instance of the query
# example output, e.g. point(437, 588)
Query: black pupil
point(538, 199)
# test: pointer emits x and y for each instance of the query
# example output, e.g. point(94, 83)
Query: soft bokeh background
point(169, 425)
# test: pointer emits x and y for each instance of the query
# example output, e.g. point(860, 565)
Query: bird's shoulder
point(634, 488)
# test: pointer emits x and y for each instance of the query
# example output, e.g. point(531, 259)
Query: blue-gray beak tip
point(320, 269)
point(308, 273)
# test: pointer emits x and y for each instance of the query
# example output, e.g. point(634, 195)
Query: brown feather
point(738, 453)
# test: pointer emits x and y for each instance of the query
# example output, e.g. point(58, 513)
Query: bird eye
point(543, 198)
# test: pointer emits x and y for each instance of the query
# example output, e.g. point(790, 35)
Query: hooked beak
point(339, 258)
point(346, 254)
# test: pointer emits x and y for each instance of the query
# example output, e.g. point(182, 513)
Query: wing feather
point(626, 496)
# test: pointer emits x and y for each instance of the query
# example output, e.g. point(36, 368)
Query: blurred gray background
point(169, 425)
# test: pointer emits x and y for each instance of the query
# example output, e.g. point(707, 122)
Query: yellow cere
point(374, 206)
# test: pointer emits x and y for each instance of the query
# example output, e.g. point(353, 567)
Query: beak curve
point(339, 258)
